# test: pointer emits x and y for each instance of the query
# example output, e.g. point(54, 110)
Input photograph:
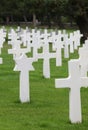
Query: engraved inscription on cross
point(74, 82)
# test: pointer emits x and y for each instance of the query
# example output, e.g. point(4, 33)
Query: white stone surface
point(74, 82)
point(24, 65)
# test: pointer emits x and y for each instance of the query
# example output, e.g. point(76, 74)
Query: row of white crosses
point(34, 40)
point(2, 40)
point(2, 37)
point(72, 41)
point(28, 38)
point(69, 42)
point(77, 68)
point(24, 64)
point(77, 78)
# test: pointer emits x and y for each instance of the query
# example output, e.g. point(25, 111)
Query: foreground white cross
point(24, 65)
point(74, 82)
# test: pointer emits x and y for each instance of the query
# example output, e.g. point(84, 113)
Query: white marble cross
point(74, 82)
point(83, 58)
point(35, 43)
point(52, 39)
point(66, 49)
point(24, 65)
point(24, 37)
point(2, 38)
point(12, 38)
point(77, 37)
point(3, 31)
point(17, 51)
point(46, 56)
point(71, 42)
point(58, 45)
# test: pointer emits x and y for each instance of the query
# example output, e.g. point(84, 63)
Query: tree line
point(27, 10)
point(47, 12)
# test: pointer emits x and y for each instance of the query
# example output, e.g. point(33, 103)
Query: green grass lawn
point(49, 107)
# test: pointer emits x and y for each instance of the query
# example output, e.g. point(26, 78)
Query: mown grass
point(49, 107)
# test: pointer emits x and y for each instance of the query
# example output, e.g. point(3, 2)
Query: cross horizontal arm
point(40, 56)
point(62, 83)
point(84, 81)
